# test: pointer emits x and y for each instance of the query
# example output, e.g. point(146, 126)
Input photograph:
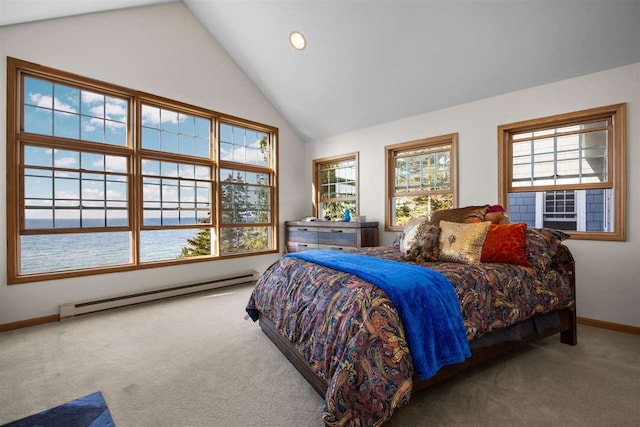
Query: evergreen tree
point(237, 208)
point(199, 245)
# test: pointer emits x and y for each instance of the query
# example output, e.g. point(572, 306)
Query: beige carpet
point(194, 361)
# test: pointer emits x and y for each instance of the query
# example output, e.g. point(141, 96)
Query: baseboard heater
point(84, 307)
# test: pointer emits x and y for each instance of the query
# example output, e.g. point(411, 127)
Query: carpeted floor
point(195, 361)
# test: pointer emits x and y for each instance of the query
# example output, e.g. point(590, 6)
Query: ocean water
point(60, 252)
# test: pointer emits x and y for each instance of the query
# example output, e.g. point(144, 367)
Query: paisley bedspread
point(349, 331)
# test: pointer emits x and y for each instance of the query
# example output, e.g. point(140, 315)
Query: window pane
point(168, 120)
point(423, 171)
point(244, 239)
point(64, 111)
point(243, 145)
point(202, 128)
point(563, 159)
point(92, 129)
point(186, 125)
point(116, 133)
point(150, 139)
point(38, 92)
point(337, 181)
point(66, 159)
point(246, 197)
point(150, 116)
point(334, 211)
point(92, 104)
point(66, 125)
point(163, 245)
point(177, 199)
point(78, 198)
point(61, 252)
point(404, 208)
point(568, 210)
point(38, 120)
point(175, 132)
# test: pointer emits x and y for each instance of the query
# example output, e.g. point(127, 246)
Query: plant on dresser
point(305, 235)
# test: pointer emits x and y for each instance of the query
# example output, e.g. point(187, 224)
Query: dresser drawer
point(302, 235)
point(336, 248)
point(299, 247)
point(338, 237)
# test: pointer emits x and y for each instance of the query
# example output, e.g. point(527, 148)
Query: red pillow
point(506, 243)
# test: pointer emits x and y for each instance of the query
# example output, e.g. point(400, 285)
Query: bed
point(345, 336)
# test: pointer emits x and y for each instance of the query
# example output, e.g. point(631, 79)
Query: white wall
point(608, 273)
point(162, 50)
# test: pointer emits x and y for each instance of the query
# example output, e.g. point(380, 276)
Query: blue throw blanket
point(425, 300)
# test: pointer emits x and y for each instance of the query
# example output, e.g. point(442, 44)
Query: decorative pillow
point(410, 233)
point(425, 248)
point(506, 243)
point(461, 242)
point(466, 214)
point(542, 245)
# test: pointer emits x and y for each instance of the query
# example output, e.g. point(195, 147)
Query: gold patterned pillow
point(462, 242)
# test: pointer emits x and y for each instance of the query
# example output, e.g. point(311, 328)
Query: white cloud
point(92, 193)
point(91, 97)
point(115, 164)
point(114, 126)
point(112, 194)
point(45, 101)
point(89, 127)
point(97, 111)
point(60, 194)
point(151, 192)
point(150, 115)
point(116, 111)
point(65, 162)
point(169, 194)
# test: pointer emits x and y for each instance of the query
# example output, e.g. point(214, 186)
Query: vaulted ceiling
point(369, 62)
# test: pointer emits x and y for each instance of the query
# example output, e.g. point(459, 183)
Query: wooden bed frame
point(567, 330)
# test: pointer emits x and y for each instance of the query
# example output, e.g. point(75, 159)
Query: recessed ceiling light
point(297, 40)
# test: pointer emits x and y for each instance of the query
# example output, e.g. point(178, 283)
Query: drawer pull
point(303, 245)
point(336, 248)
point(337, 231)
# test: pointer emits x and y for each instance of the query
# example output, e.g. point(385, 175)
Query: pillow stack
point(461, 235)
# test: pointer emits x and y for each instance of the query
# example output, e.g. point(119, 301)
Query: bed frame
point(567, 330)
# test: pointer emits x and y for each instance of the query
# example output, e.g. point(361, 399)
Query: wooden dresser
point(303, 235)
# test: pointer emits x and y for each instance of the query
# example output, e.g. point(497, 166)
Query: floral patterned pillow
point(542, 245)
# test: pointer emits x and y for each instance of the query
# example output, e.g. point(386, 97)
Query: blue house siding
point(522, 208)
point(595, 210)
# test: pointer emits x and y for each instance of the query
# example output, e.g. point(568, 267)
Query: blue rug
point(88, 411)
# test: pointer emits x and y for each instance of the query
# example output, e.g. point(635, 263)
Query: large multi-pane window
point(567, 172)
point(335, 182)
point(421, 178)
point(103, 178)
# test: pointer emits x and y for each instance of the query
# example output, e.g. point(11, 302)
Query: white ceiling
point(369, 62)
